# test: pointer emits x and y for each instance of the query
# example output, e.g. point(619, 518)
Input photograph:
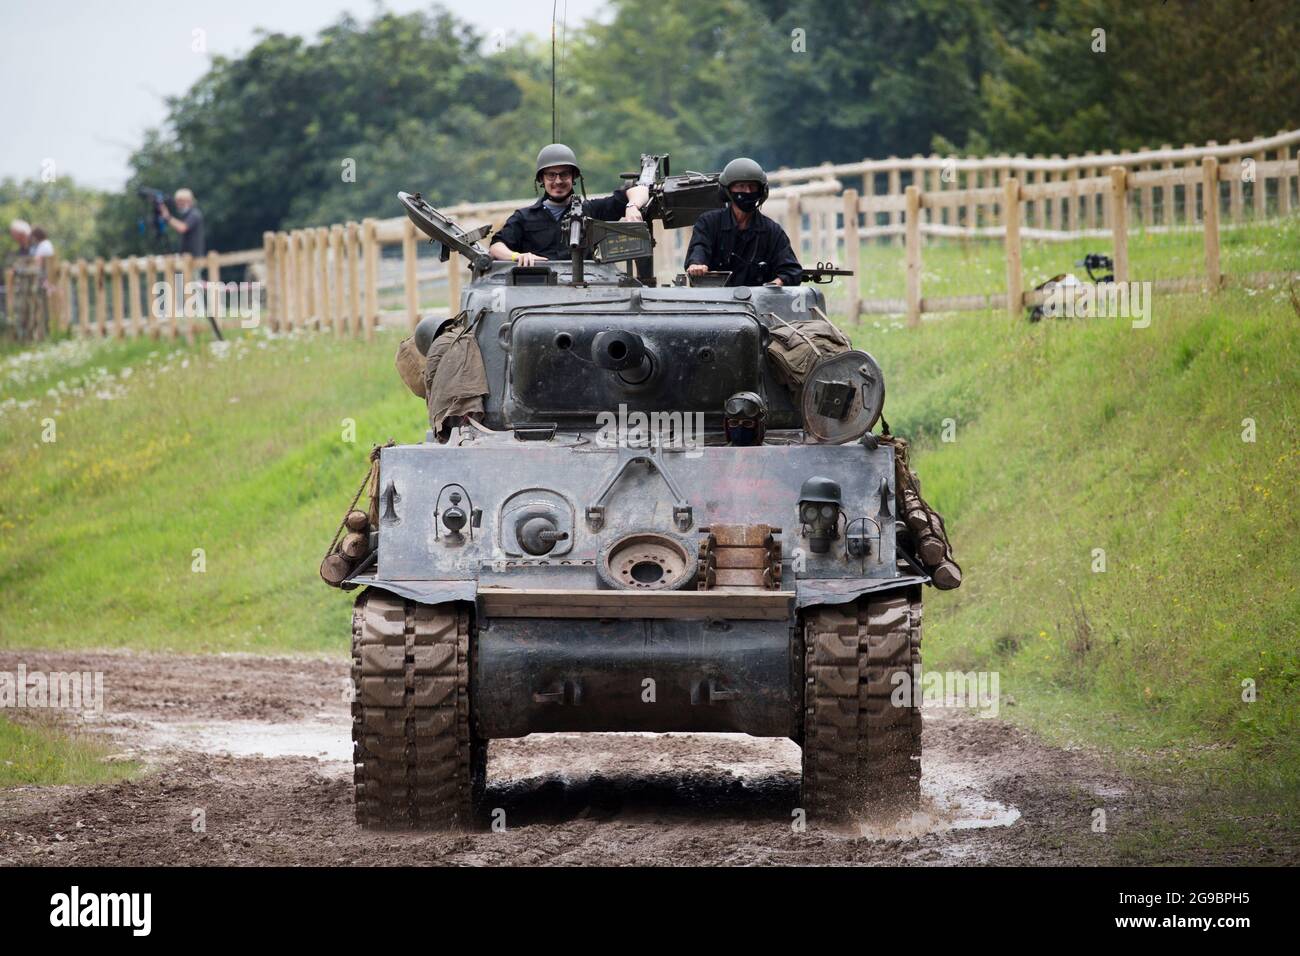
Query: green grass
point(242, 456)
point(1083, 435)
point(33, 755)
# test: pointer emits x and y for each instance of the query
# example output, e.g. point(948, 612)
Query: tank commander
point(738, 238)
point(534, 234)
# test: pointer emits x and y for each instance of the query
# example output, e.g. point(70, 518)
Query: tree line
point(301, 131)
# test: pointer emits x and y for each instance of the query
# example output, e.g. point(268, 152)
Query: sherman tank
point(606, 542)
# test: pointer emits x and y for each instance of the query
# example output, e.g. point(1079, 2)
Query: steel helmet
point(557, 154)
point(744, 418)
point(741, 170)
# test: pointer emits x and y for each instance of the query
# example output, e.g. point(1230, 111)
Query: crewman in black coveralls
point(534, 234)
point(738, 238)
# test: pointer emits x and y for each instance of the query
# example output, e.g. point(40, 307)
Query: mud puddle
point(262, 746)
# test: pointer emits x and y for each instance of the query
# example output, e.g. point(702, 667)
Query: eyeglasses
point(552, 177)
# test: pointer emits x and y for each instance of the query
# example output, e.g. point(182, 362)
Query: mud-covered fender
point(844, 590)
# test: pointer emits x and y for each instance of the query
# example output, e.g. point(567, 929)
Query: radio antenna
point(554, 134)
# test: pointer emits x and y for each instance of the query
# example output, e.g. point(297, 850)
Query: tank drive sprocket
point(417, 764)
point(860, 751)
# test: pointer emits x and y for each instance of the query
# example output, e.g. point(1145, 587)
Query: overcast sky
point(82, 80)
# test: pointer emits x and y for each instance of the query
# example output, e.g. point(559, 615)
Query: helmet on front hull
point(744, 419)
point(742, 170)
point(556, 154)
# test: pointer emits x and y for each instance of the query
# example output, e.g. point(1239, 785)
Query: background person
point(188, 221)
point(20, 231)
point(41, 247)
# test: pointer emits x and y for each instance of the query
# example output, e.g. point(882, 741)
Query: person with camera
point(188, 221)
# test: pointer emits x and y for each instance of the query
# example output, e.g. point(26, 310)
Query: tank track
point(860, 752)
point(416, 762)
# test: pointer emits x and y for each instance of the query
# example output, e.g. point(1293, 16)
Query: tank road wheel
point(860, 752)
point(416, 762)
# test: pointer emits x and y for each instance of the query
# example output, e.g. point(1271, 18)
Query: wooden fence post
point(1210, 185)
point(285, 281)
point(1011, 216)
point(65, 286)
point(913, 243)
point(152, 321)
point(409, 263)
point(134, 328)
point(370, 261)
point(99, 297)
point(270, 276)
point(852, 252)
point(306, 255)
point(212, 298)
point(83, 298)
point(110, 298)
point(301, 280)
point(187, 276)
point(176, 280)
point(336, 253)
point(1119, 221)
point(352, 250)
point(323, 301)
point(118, 274)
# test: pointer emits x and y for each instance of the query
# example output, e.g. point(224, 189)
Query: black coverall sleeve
point(512, 233)
point(703, 240)
point(783, 263)
point(608, 208)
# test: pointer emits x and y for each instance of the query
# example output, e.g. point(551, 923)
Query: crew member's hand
point(776, 281)
point(697, 269)
point(633, 213)
point(529, 259)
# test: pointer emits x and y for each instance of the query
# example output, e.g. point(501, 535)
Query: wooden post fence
point(1011, 215)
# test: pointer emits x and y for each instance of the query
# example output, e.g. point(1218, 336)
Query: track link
point(416, 762)
point(860, 751)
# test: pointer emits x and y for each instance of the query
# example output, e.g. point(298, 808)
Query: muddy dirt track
point(261, 746)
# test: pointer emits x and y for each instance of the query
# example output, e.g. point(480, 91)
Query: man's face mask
point(744, 431)
point(746, 202)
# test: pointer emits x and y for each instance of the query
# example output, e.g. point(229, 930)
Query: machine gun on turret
point(675, 200)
